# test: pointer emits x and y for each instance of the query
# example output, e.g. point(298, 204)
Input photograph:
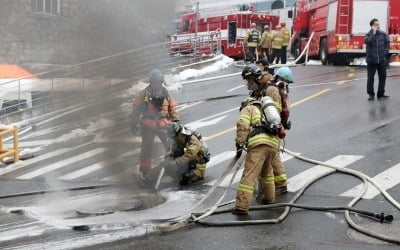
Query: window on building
point(51, 7)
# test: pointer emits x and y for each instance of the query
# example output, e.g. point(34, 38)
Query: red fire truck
point(340, 27)
point(224, 30)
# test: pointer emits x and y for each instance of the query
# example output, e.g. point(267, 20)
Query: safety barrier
point(9, 152)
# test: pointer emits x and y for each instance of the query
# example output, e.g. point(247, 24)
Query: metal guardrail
point(9, 152)
point(83, 78)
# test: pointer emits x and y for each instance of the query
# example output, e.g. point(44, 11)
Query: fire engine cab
point(223, 31)
point(340, 27)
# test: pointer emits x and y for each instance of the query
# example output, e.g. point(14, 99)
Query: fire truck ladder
point(344, 16)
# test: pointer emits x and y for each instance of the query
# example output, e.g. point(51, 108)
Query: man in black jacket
point(377, 43)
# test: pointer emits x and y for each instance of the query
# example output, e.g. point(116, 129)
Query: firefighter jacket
point(252, 38)
point(285, 36)
point(277, 40)
point(266, 40)
point(249, 117)
point(154, 112)
point(192, 154)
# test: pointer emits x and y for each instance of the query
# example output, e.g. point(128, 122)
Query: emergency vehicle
point(222, 31)
point(340, 27)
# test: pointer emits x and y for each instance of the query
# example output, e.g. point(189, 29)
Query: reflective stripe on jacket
point(252, 38)
point(286, 37)
point(248, 118)
point(149, 114)
point(277, 40)
point(266, 40)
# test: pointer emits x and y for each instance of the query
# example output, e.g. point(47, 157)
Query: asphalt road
point(91, 144)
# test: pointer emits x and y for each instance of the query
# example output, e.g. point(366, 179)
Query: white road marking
point(29, 162)
point(186, 106)
point(201, 124)
point(97, 166)
point(296, 182)
point(29, 144)
point(61, 164)
point(218, 115)
point(224, 156)
point(386, 180)
point(235, 88)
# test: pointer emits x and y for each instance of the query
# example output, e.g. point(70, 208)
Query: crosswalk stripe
point(225, 182)
point(296, 182)
point(386, 180)
point(61, 164)
point(215, 160)
point(31, 161)
point(97, 166)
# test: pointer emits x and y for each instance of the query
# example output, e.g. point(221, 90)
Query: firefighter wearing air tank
point(153, 111)
point(263, 84)
point(252, 39)
point(258, 126)
point(188, 156)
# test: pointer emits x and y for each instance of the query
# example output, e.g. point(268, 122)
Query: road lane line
point(309, 97)
point(61, 164)
point(207, 138)
point(235, 88)
point(297, 182)
point(386, 180)
point(341, 82)
point(97, 166)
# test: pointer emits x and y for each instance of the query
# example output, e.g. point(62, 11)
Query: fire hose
point(178, 222)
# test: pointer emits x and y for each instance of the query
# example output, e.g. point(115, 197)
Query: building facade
point(72, 31)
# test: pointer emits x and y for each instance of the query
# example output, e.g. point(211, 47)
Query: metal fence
point(99, 74)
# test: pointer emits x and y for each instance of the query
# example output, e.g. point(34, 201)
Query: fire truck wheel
point(323, 51)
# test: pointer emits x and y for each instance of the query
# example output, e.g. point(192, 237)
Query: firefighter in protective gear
point(263, 64)
point(277, 41)
point(188, 156)
point(283, 77)
point(265, 43)
point(252, 39)
point(154, 109)
point(262, 84)
point(285, 42)
point(262, 148)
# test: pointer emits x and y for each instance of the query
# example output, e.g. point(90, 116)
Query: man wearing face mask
point(153, 111)
point(377, 43)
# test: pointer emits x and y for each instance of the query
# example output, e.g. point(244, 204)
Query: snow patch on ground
point(221, 64)
point(314, 62)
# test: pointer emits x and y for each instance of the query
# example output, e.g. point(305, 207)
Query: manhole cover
point(112, 205)
point(109, 206)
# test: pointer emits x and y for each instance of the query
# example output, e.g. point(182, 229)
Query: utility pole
point(195, 31)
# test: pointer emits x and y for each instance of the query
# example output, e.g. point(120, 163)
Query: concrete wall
point(85, 29)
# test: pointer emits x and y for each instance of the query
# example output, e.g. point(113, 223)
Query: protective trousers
point(280, 176)
point(258, 162)
point(148, 135)
point(284, 54)
point(276, 53)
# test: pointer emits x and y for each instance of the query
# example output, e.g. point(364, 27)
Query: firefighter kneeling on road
point(258, 126)
point(188, 156)
point(155, 108)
